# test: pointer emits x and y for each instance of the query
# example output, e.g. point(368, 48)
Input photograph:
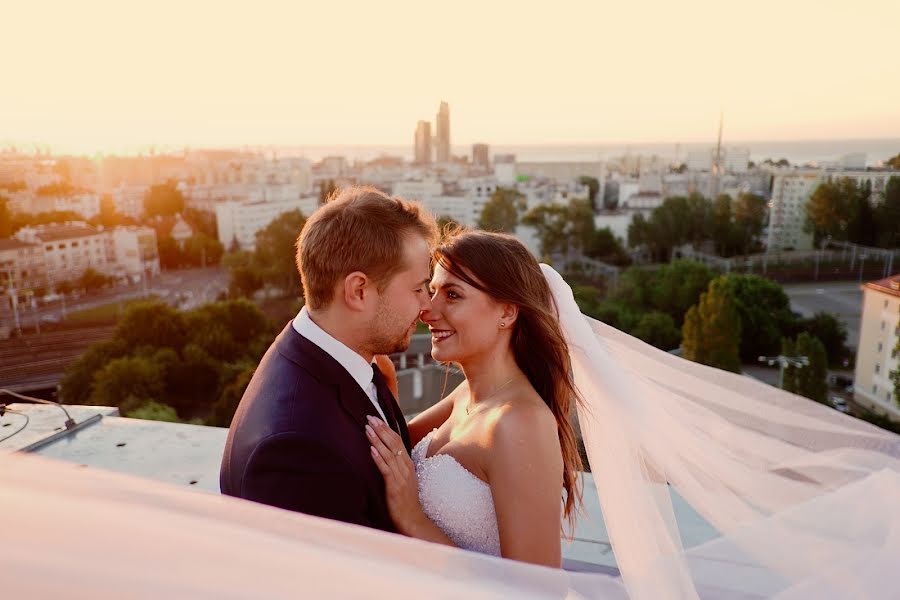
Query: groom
point(298, 439)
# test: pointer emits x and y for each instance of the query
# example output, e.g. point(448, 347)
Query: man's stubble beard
point(382, 338)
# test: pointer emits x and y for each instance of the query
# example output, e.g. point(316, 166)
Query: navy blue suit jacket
point(298, 438)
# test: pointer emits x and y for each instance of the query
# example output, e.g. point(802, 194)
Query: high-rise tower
point(422, 152)
point(443, 133)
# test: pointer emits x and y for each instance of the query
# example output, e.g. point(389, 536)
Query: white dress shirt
point(353, 363)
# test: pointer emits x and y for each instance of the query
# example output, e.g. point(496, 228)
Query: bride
point(492, 459)
point(802, 497)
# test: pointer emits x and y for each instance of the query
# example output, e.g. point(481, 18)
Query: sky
point(93, 76)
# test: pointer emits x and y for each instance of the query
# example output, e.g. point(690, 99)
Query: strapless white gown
point(457, 501)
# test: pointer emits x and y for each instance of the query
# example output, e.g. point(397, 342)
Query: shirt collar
point(353, 363)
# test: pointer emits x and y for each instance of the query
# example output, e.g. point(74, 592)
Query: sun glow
point(97, 76)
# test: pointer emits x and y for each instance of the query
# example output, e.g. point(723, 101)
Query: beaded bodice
point(457, 501)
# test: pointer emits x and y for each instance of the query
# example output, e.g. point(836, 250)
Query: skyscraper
point(480, 155)
point(423, 143)
point(443, 133)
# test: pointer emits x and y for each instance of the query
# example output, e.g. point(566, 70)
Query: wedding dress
point(457, 501)
point(804, 497)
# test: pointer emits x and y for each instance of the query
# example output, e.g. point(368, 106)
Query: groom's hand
point(400, 481)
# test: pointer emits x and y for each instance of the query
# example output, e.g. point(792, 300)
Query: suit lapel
point(326, 369)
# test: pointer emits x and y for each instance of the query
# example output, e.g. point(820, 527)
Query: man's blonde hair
point(357, 229)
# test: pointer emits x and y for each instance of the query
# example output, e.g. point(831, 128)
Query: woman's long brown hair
point(502, 267)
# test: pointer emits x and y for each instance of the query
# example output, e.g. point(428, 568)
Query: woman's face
point(464, 321)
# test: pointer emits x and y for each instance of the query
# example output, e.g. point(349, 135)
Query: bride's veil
point(805, 499)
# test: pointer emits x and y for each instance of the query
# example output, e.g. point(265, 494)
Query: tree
point(722, 227)
point(78, 382)
point(678, 286)
point(604, 245)
point(244, 277)
point(153, 324)
point(202, 251)
point(20, 220)
point(842, 209)
point(64, 287)
point(126, 382)
point(223, 410)
point(679, 220)
point(749, 220)
point(894, 162)
point(593, 185)
point(828, 211)
point(561, 229)
point(276, 253)
point(832, 333)
point(765, 313)
point(201, 221)
point(91, 280)
point(501, 212)
point(170, 255)
point(887, 213)
point(108, 217)
point(657, 329)
point(812, 379)
point(789, 382)
point(6, 224)
point(712, 328)
point(155, 411)
point(861, 227)
point(183, 359)
point(163, 200)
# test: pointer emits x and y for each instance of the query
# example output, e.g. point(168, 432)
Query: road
point(842, 299)
point(185, 288)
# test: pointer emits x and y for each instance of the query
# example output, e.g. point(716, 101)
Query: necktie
point(385, 397)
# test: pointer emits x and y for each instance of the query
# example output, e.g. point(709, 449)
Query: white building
point(876, 356)
point(791, 191)
point(732, 160)
point(736, 160)
point(458, 208)
point(70, 249)
point(239, 221)
point(86, 205)
point(22, 266)
point(129, 200)
point(505, 169)
point(135, 251)
point(417, 189)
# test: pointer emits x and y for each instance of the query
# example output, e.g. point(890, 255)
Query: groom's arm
point(290, 471)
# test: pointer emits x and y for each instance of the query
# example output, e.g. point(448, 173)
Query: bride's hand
point(400, 482)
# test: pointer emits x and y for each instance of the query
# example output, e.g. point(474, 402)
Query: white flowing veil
point(806, 500)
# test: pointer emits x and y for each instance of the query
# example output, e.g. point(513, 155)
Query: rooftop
point(888, 285)
point(64, 231)
point(13, 244)
point(190, 455)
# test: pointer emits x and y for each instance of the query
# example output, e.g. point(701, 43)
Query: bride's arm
point(525, 469)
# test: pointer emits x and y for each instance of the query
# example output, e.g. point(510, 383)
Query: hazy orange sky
point(109, 76)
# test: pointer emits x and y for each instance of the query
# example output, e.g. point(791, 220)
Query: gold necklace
point(469, 403)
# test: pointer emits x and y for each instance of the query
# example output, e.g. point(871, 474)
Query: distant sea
point(796, 152)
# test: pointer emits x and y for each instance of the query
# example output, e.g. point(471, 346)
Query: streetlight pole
point(784, 361)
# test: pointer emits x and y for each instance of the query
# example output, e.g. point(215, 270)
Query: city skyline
point(88, 81)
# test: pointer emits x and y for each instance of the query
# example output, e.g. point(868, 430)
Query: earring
point(502, 324)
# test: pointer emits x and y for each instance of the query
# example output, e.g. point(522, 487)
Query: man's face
point(404, 298)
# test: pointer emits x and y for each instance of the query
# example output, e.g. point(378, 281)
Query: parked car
point(839, 404)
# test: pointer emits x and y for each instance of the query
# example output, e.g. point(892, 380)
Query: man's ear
point(356, 287)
